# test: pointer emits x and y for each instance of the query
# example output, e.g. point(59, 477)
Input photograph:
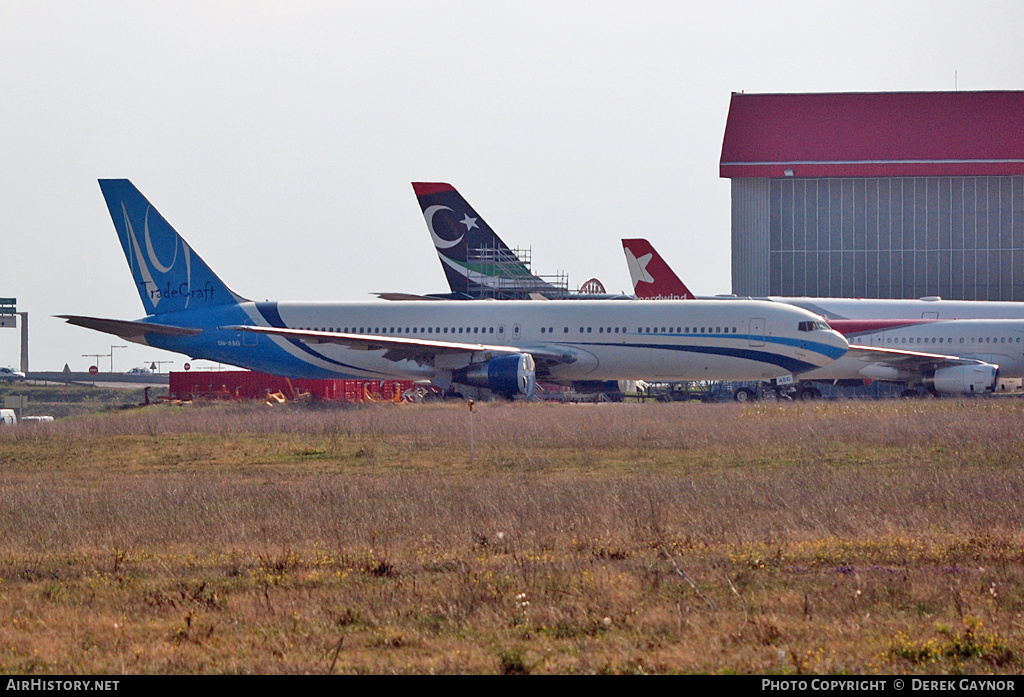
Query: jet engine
point(508, 376)
point(966, 379)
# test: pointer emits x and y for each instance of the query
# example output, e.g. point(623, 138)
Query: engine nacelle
point(966, 379)
point(508, 376)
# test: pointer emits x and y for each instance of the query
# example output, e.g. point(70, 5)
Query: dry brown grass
point(770, 538)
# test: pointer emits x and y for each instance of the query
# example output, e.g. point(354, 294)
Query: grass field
point(843, 537)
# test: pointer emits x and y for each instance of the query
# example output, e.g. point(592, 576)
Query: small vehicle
point(11, 375)
point(139, 371)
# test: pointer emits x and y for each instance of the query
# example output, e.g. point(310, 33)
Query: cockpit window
point(813, 325)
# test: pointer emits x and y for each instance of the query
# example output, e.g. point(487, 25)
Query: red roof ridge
point(874, 134)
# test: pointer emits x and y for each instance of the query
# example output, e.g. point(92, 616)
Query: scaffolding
point(504, 274)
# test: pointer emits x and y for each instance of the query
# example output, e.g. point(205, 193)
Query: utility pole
point(112, 356)
point(471, 439)
point(97, 356)
point(24, 341)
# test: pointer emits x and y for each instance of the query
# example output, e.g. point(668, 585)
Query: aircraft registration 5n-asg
point(474, 348)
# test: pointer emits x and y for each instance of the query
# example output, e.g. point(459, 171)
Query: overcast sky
point(280, 138)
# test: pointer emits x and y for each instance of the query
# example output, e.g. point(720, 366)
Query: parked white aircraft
point(990, 342)
point(998, 342)
point(983, 344)
point(495, 347)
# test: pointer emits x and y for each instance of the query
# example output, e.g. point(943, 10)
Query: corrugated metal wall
point(750, 237)
point(904, 237)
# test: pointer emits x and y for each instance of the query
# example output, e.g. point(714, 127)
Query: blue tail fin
point(168, 274)
point(475, 260)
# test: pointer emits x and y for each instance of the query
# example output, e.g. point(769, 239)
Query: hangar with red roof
point(877, 195)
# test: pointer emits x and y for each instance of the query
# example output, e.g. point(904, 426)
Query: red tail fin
point(653, 279)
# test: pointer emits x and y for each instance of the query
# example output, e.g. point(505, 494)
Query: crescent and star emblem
point(439, 241)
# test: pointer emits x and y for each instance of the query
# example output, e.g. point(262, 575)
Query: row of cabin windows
point(687, 330)
point(408, 330)
point(543, 330)
point(949, 340)
point(648, 330)
point(586, 330)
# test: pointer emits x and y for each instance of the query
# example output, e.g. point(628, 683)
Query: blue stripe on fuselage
point(822, 349)
point(228, 347)
point(271, 314)
point(793, 365)
point(826, 350)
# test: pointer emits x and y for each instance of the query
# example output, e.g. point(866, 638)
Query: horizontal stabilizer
point(428, 296)
point(405, 296)
point(128, 329)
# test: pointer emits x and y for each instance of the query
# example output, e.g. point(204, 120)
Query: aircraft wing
point(128, 329)
point(905, 361)
point(397, 348)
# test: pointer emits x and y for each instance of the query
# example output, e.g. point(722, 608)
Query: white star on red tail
point(638, 267)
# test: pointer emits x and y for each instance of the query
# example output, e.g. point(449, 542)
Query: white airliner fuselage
point(895, 308)
point(574, 340)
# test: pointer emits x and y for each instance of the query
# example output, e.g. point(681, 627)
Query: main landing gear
point(807, 393)
point(744, 395)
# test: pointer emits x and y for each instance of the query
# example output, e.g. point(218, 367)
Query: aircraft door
point(756, 334)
